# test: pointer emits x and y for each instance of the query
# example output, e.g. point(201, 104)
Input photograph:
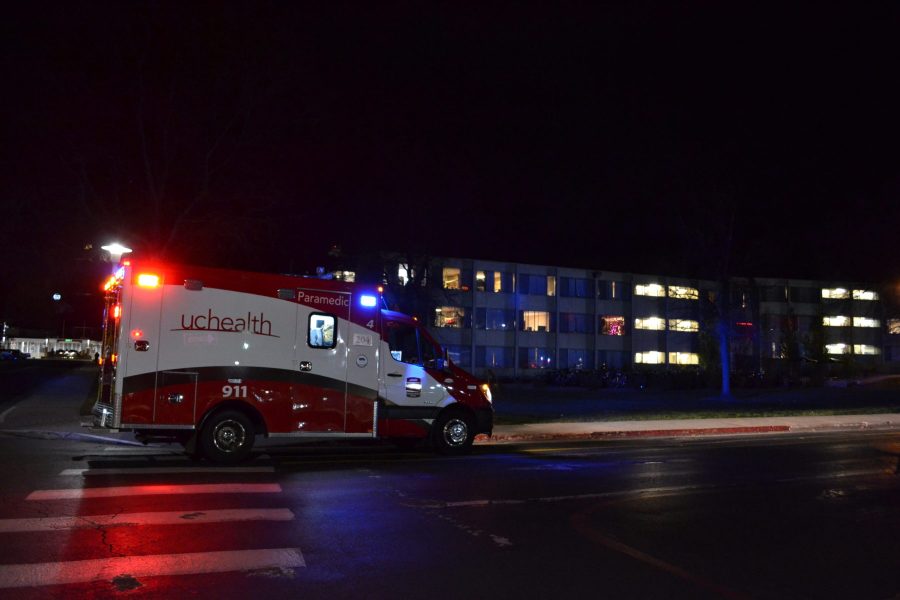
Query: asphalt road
point(764, 517)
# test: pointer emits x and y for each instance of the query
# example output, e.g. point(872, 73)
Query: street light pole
point(116, 250)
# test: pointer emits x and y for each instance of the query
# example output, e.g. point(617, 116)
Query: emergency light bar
point(368, 301)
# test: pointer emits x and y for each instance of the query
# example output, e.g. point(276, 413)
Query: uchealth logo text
point(257, 324)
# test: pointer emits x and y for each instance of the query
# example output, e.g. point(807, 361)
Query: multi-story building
point(518, 319)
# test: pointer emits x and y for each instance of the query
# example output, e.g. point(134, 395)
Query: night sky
point(687, 140)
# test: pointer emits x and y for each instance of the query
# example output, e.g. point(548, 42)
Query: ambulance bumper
point(484, 421)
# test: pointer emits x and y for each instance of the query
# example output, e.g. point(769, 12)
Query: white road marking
point(155, 490)
point(179, 517)
point(6, 412)
point(164, 470)
point(82, 571)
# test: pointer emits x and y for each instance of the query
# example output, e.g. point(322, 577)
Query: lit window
point(865, 349)
point(321, 331)
point(614, 325)
point(654, 323)
point(498, 282)
point(836, 321)
point(348, 276)
point(451, 278)
point(402, 275)
point(837, 349)
point(650, 358)
point(835, 293)
point(893, 326)
point(650, 289)
point(684, 358)
point(684, 325)
point(551, 285)
point(535, 320)
point(865, 295)
point(449, 316)
point(685, 293)
point(480, 278)
point(865, 322)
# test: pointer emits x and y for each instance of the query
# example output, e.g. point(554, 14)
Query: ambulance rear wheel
point(453, 433)
point(227, 437)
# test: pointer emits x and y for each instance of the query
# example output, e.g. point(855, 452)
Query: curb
point(599, 435)
point(692, 432)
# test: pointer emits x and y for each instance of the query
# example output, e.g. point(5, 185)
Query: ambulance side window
point(321, 332)
point(403, 343)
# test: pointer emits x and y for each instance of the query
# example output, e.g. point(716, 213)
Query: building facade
point(519, 320)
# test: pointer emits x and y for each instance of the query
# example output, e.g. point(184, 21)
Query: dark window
point(575, 323)
point(460, 355)
point(571, 358)
point(613, 290)
point(496, 357)
point(774, 293)
point(575, 287)
point(533, 284)
point(806, 295)
point(536, 358)
point(495, 318)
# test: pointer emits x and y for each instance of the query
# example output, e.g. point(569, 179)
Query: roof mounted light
point(148, 280)
point(368, 300)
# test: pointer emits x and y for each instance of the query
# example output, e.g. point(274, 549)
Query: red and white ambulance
point(213, 357)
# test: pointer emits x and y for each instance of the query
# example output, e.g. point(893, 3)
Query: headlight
point(486, 390)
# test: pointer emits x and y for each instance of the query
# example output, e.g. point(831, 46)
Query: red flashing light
point(744, 324)
point(148, 280)
point(115, 358)
point(126, 263)
point(117, 311)
point(137, 333)
point(109, 283)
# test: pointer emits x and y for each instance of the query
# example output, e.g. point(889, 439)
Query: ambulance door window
point(428, 352)
point(403, 343)
point(321, 331)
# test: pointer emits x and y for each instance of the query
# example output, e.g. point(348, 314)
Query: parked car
point(13, 354)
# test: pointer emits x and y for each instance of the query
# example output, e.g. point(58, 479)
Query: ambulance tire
point(227, 437)
point(453, 433)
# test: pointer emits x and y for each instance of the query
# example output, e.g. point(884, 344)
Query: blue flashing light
point(368, 301)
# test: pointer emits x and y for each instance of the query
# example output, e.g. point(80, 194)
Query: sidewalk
point(691, 427)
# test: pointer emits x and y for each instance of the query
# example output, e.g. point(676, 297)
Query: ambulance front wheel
point(453, 433)
point(227, 437)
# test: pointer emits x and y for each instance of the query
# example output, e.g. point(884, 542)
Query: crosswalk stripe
point(164, 470)
point(155, 490)
point(82, 571)
point(179, 517)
